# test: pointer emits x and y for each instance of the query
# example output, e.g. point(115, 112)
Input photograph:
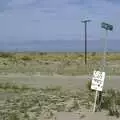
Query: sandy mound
point(84, 116)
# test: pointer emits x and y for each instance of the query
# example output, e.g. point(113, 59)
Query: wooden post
point(96, 94)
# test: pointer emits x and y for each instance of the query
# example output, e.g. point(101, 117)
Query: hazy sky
point(57, 19)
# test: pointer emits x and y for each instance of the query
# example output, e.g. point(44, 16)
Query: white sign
point(98, 80)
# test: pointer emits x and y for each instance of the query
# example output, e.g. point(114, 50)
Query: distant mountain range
point(60, 45)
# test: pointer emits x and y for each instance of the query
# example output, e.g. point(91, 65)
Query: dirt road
point(38, 81)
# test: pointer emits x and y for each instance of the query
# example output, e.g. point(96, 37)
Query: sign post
point(107, 27)
point(96, 94)
point(97, 84)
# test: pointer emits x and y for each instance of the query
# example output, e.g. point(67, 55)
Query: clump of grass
point(13, 116)
point(88, 85)
point(114, 112)
point(55, 99)
point(111, 102)
point(113, 57)
point(75, 104)
point(42, 102)
point(1, 85)
point(52, 88)
point(93, 54)
point(6, 85)
point(26, 58)
point(6, 55)
point(24, 87)
point(15, 87)
point(43, 53)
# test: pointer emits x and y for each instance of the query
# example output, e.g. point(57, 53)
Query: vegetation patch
point(110, 100)
point(35, 104)
point(7, 86)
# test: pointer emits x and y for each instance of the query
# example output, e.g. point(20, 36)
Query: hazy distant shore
point(59, 46)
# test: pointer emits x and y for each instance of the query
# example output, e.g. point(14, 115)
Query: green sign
point(107, 26)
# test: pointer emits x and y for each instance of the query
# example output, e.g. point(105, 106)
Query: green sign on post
point(107, 26)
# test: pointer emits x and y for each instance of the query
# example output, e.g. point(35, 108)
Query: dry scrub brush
point(35, 104)
point(110, 100)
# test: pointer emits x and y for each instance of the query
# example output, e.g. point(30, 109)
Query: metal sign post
point(105, 50)
point(107, 27)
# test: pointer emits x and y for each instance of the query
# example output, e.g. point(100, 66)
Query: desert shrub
point(111, 102)
point(26, 58)
point(1, 85)
point(43, 53)
point(6, 55)
point(93, 54)
point(113, 57)
point(24, 87)
point(114, 112)
point(14, 116)
point(5, 63)
point(46, 62)
point(96, 57)
point(88, 85)
point(15, 87)
point(7, 85)
point(53, 88)
point(110, 97)
point(43, 102)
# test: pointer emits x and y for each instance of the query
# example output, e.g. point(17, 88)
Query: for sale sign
point(98, 80)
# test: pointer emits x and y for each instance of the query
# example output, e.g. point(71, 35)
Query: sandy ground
point(84, 116)
point(71, 82)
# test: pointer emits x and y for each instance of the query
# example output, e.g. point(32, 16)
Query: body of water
point(60, 46)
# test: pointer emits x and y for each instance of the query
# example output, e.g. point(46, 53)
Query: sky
point(24, 20)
